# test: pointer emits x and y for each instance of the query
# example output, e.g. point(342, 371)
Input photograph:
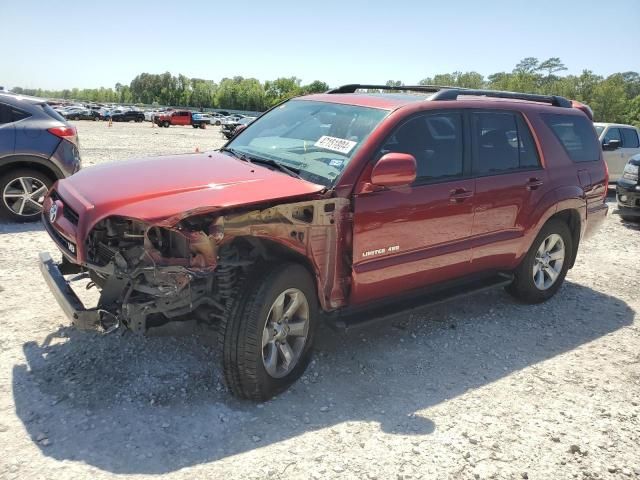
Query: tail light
point(66, 132)
point(584, 107)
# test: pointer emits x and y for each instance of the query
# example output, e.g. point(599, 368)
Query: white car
point(619, 144)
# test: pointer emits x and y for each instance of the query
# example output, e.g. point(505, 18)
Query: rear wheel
point(23, 193)
point(542, 271)
point(268, 331)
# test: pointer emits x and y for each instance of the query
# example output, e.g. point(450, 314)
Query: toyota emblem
point(53, 212)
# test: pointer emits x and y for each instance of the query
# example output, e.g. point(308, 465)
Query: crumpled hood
point(164, 189)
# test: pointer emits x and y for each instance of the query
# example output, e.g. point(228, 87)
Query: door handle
point(533, 183)
point(458, 195)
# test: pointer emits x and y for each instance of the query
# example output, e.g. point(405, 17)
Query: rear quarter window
point(576, 134)
point(52, 113)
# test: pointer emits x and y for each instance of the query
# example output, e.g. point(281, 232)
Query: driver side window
point(435, 140)
point(612, 134)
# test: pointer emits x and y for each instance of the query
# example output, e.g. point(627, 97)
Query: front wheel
point(165, 124)
point(267, 334)
point(542, 270)
point(23, 193)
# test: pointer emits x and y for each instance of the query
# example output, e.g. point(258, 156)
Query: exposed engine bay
point(149, 275)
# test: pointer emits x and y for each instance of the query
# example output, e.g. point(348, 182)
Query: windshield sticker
point(336, 163)
point(339, 145)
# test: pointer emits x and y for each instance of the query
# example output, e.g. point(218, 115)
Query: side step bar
point(350, 319)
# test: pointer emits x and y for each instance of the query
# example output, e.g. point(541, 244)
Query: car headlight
point(630, 172)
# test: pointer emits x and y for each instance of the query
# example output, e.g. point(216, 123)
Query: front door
point(615, 159)
point(409, 237)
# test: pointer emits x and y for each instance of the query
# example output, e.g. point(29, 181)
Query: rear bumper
point(81, 317)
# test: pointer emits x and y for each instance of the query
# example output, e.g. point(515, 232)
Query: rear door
point(412, 236)
point(510, 182)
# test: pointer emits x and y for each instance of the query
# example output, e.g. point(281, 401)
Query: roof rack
point(452, 93)
point(351, 88)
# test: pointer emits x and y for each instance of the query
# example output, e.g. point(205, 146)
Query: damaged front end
point(151, 275)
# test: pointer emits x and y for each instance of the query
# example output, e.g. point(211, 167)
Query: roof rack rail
point(451, 93)
point(351, 88)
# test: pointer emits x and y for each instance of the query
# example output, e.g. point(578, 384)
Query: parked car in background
point(179, 117)
point(628, 190)
point(229, 128)
point(619, 143)
point(341, 206)
point(37, 147)
point(83, 114)
point(128, 116)
point(201, 118)
point(216, 118)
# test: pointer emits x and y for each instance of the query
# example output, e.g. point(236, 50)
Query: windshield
point(315, 139)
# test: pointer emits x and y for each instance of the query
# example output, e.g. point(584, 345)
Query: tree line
point(615, 98)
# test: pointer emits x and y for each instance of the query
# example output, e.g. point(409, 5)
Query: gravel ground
point(484, 388)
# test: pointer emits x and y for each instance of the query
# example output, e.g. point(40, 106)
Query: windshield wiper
point(266, 161)
point(279, 166)
point(237, 154)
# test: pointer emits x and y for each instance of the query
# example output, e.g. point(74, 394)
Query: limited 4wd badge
point(380, 251)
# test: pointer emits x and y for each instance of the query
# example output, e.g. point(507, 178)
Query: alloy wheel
point(548, 261)
point(285, 333)
point(24, 196)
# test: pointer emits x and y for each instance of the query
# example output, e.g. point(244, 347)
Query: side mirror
point(394, 170)
point(611, 145)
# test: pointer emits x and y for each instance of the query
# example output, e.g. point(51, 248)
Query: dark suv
point(37, 147)
point(342, 206)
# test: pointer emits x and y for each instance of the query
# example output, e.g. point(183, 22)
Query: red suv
point(341, 206)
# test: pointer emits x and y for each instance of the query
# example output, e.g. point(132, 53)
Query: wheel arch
point(260, 249)
point(571, 217)
point(42, 165)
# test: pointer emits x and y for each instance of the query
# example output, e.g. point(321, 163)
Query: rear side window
point(5, 114)
point(9, 114)
point(576, 135)
point(630, 138)
point(501, 142)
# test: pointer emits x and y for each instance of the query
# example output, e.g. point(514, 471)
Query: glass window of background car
point(435, 141)
point(289, 135)
point(576, 135)
point(612, 134)
point(630, 138)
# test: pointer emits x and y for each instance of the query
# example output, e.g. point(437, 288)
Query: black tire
point(218, 123)
point(194, 125)
point(523, 287)
point(242, 328)
point(165, 124)
point(628, 218)
point(6, 212)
